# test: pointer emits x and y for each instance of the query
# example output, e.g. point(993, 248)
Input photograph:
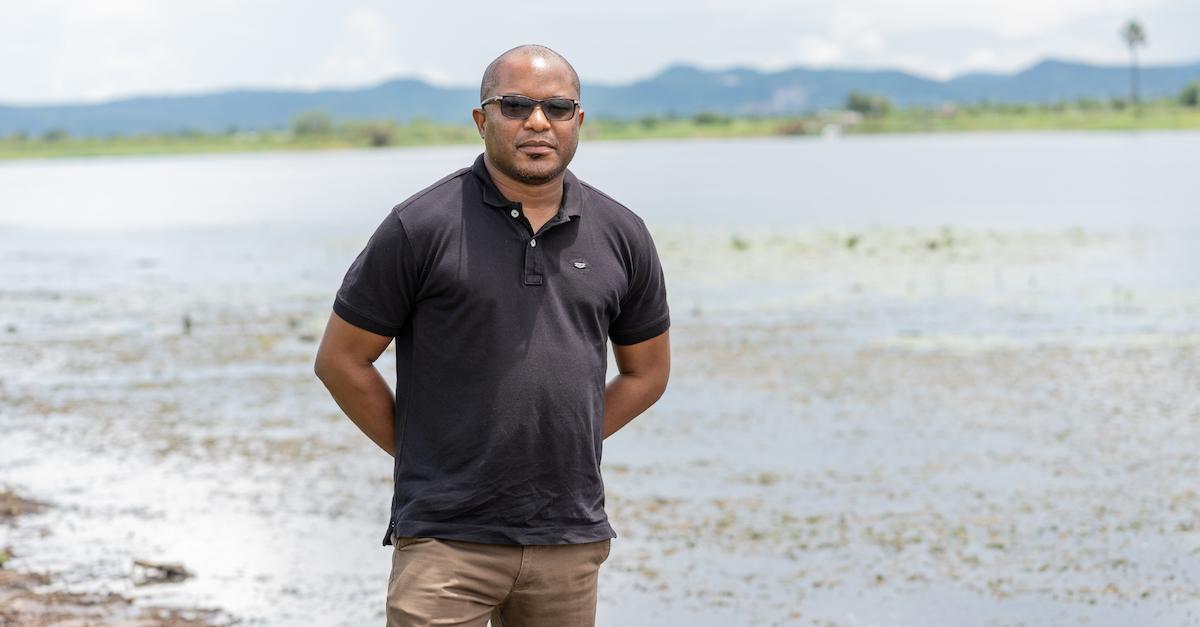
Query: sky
point(59, 51)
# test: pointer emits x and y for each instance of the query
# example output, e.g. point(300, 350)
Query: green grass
point(660, 128)
point(1154, 116)
point(411, 135)
point(1039, 119)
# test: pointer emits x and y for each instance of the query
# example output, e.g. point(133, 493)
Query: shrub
point(1190, 96)
point(709, 118)
point(376, 133)
point(870, 105)
point(312, 123)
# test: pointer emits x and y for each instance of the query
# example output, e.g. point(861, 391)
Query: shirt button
point(533, 243)
point(514, 213)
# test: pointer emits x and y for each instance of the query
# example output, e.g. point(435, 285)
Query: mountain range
point(677, 90)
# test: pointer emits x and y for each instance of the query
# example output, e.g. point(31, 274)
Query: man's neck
point(544, 198)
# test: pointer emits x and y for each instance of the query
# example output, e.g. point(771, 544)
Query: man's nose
point(537, 120)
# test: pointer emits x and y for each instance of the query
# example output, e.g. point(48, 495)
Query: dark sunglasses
point(521, 107)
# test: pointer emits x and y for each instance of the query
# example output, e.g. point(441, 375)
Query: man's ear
point(581, 116)
point(480, 117)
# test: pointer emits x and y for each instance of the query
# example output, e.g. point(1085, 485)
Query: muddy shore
point(871, 427)
point(32, 599)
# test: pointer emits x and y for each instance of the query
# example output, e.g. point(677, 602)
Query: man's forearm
point(626, 396)
point(367, 400)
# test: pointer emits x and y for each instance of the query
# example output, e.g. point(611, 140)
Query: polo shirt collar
point(572, 189)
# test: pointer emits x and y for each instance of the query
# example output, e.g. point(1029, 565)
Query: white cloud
point(58, 50)
point(819, 50)
point(363, 50)
point(981, 59)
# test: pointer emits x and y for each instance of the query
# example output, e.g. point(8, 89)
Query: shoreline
point(277, 150)
point(821, 127)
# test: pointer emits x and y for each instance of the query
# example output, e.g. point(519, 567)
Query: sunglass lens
point(516, 107)
point(558, 108)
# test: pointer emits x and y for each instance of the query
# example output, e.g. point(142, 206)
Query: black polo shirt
point(501, 351)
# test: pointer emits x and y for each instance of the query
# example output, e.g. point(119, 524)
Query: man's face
point(535, 150)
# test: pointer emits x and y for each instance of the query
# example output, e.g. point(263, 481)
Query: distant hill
point(678, 90)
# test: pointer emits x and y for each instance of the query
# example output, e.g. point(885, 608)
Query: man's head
point(534, 150)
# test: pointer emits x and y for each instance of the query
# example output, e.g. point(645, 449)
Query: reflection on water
point(865, 425)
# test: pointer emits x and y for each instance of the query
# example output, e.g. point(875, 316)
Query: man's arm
point(644, 369)
point(346, 365)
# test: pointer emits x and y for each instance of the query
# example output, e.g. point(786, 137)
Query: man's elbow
point(659, 384)
point(324, 367)
point(335, 366)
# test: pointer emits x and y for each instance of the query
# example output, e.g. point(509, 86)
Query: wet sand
point(873, 427)
point(31, 599)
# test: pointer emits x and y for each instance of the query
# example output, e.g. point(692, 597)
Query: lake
point(1097, 180)
point(933, 380)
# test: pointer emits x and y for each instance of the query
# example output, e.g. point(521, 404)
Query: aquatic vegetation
point(846, 428)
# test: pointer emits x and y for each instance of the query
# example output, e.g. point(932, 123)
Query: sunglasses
point(521, 107)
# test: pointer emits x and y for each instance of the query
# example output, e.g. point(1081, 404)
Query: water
point(917, 380)
point(1095, 180)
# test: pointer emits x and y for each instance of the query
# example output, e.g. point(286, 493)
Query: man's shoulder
point(610, 208)
point(428, 204)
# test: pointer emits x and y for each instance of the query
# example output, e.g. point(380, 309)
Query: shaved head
point(491, 78)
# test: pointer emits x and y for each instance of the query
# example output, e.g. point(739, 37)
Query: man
point(501, 284)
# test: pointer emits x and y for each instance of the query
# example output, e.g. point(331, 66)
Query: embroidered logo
point(579, 263)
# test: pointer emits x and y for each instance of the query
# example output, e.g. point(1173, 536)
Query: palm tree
point(1134, 36)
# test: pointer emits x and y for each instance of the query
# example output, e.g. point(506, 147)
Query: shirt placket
point(534, 271)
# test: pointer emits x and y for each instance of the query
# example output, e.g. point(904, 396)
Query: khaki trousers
point(464, 584)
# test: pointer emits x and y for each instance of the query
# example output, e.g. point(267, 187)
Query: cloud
point(65, 50)
point(363, 50)
point(980, 58)
point(819, 50)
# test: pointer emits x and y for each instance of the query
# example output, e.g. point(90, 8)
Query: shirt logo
point(579, 263)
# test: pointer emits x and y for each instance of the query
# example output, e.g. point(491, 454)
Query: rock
point(161, 572)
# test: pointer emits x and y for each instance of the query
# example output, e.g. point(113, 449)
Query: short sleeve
point(378, 290)
point(644, 312)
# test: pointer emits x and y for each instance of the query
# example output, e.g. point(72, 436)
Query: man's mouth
point(536, 148)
